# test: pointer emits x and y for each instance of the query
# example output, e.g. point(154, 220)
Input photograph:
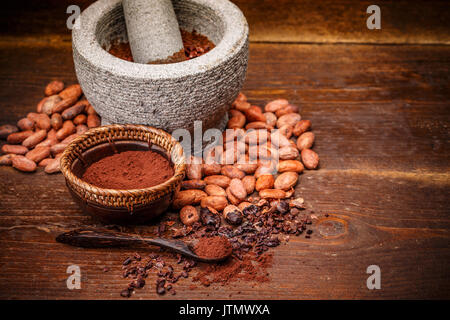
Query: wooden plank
point(380, 115)
point(344, 21)
point(306, 21)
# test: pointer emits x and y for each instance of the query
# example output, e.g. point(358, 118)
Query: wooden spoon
point(88, 238)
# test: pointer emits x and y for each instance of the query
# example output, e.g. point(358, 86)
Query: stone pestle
point(153, 31)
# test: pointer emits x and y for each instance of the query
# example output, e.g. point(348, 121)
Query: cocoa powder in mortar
point(194, 44)
point(129, 170)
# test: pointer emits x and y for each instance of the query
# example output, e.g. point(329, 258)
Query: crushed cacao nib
point(209, 219)
point(264, 225)
point(160, 289)
point(252, 209)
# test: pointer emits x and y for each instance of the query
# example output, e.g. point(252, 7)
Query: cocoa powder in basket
point(129, 170)
point(194, 44)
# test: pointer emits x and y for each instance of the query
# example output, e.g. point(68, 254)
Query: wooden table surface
point(379, 104)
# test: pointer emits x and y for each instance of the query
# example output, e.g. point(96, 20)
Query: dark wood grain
point(307, 21)
point(381, 117)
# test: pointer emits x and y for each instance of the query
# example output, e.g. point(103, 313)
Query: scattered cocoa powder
point(214, 247)
point(250, 268)
point(194, 44)
point(129, 170)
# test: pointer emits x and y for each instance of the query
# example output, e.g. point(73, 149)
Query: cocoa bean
point(231, 197)
point(261, 152)
point(286, 130)
point(52, 134)
point(257, 125)
point(288, 153)
point(14, 149)
point(215, 190)
point(49, 104)
point(56, 121)
point(301, 127)
point(254, 113)
point(90, 110)
point(275, 105)
point(71, 92)
point(237, 189)
point(194, 168)
point(47, 143)
point(54, 87)
point(216, 202)
point(233, 135)
point(63, 105)
point(249, 184)
point(214, 155)
point(188, 197)
point(247, 166)
point(233, 215)
point(53, 166)
point(81, 128)
point(272, 194)
point(6, 159)
point(34, 139)
point(23, 164)
point(288, 119)
point(287, 109)
point(43, 122)
point(45, 162)
point(264, 181)
point(305, 141)
point(286, 181)
point(38, 154)
point(33, 116)
point(18, 137)
point(244, 205)
point(221, 181)
point(232, 172)
point(259, 136)
point(310, 159)
point(193, 184)
point(74, 110)
point(58, 148)
point(278, 139)
point(242, 106)
point(210, 169)
point(40, 104)
point(230, 156)
point(70, 138)
point(240, 98)
point(6, 130)
point(80, 119)
point(189, 215)
point(67, 129)
point(290, 165)
point(271, 119)
point(269, 168)
point(237, 120)
point(93, 121)
point(25, 124)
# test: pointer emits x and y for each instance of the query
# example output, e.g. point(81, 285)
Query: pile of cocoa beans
point(40, 138)
point(262, 151)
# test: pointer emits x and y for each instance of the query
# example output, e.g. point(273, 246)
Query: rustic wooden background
point(379, 104)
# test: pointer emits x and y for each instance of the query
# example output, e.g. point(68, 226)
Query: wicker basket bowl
point(132, 206)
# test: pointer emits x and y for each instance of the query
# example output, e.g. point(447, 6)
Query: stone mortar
point(166, 96)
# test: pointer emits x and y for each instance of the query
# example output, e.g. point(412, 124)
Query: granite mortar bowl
point(121, 206)
point(166, 96)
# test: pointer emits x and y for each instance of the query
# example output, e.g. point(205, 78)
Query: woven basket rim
point(162, 188)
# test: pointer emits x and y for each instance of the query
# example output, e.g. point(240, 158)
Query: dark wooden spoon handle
point(87, 238)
